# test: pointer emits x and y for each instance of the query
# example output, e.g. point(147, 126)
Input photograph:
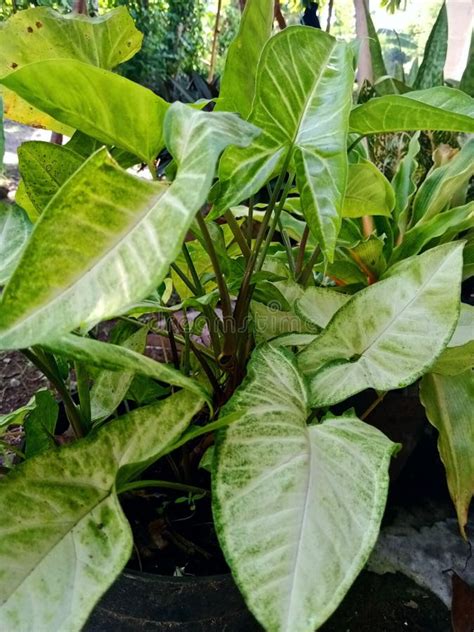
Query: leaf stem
point(301, 251)
point(238, 234)
point(308, 269)
point(276, 217)
point(373, 405)
point(40, 359)
point(83, 391)
point(223, 290)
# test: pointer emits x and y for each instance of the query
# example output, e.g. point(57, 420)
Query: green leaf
point(40, 34)
point(380, 338)
point(420, 235)
point(378, 65)
point(459, 354)
point(319, 304)
point(63, 535)
point(16, 417)
point(44, 168)
point(368, 192)
point(114, 358)
point(441, 108)
point(297, 508)
point(15, 229)
point(108, 238)
point(467, 79)
point(40, 424)
point(110, 387)
point(304, 83)
point(98, 102)
point(443, 183)
point(240, 72)
point(430, 73)
point(404, 181)
point(448, 404)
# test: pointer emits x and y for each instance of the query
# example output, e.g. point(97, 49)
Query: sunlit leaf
point(240, 72)
point(108, 238)
point(444, 183)
point(303, 94)
point(436, 108)
point(40, 34)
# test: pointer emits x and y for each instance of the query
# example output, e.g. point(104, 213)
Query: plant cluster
point(287, 272)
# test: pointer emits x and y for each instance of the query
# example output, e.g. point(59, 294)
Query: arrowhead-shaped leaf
point(95, 101)
point(107, 238)
point(436, 108)
point(448, 401)
point(389, 334)
point(63, 536)
point(302, 101)
point(39, 34)
point(240, 72)
point(297, 508)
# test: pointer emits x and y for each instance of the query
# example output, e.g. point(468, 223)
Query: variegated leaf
point(63, 535)
point(297, 508)
point(302, 101)
point(379, 339)
point(436, 108)
point(107, 238)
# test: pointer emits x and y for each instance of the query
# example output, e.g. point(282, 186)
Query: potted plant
point(324, 281)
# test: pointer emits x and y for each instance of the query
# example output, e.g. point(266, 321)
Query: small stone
point(411, 604)
point(7, 360)
point(14, 382)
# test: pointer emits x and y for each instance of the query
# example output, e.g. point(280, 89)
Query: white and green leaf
point(319, 304)
point(302, 101)
point(379, 339)
point(63, 535)
point(297, 508)
point(106, 240)
point(458, 356)
point(440, 108)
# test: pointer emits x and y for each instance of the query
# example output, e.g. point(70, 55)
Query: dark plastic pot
point(141, 602)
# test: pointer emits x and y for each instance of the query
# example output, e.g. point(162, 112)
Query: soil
point(388, 603)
